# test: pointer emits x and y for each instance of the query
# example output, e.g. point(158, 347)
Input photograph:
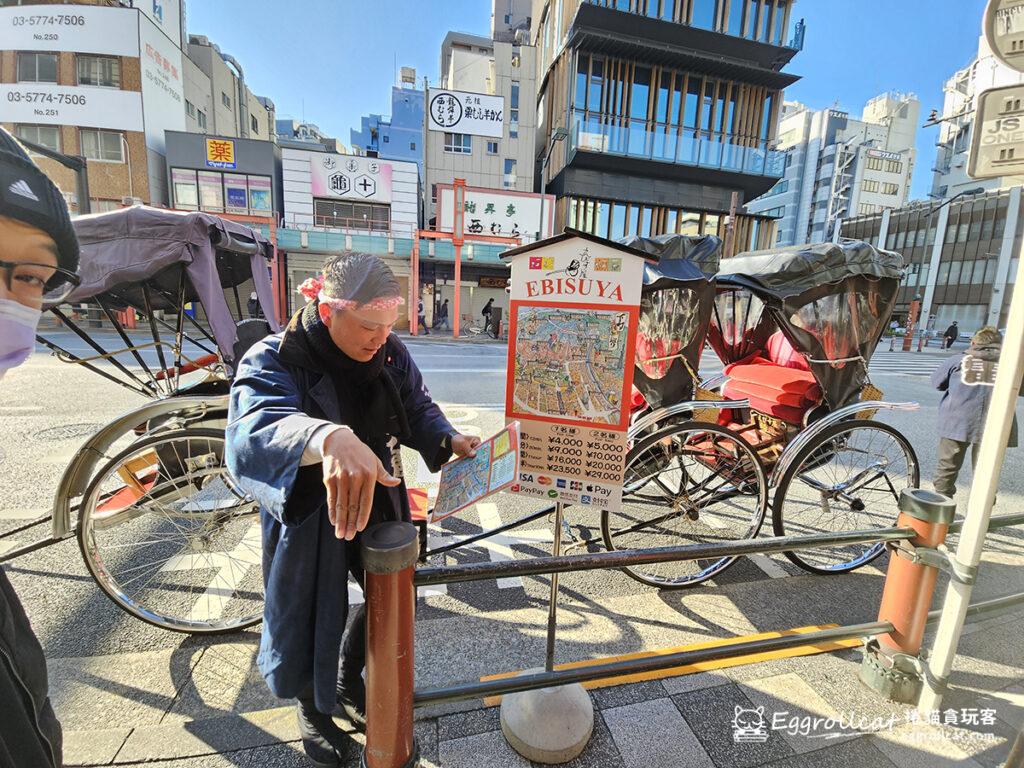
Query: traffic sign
point(1004, 29)
point(998, 145)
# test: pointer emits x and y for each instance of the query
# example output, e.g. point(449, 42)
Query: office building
point(301, 135)
point(653, 113)
point(109, 86)
point(398, 136)
point(961, 258)
point(956, 123)
point(501, 75)
point(838, 166)
point(508, 18)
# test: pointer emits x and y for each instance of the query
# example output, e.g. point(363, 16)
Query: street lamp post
point(557, 135)
point(939, 240)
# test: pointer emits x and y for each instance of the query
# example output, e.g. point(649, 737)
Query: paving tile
point(1009, 705)
point(600, 752)
point(123, 690)
point(281, 756)
point(652, 734)
point(93, 747)
point(857, 753)
point(693, 682)
point(225, 680)
point(711, 714)
point(468, 723)
point(472, 751)
point(620, 695)
point(915, 745)
point(802, 717)
point(220, 734)
point(426, 737)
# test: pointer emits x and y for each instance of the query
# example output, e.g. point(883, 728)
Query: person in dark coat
point(315, 413)
point(962, 411)
point(486, 312)
point(39, 254)
point(442, 316)
point(421, 317)
point(951, 334)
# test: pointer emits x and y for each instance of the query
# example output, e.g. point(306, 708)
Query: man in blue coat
point(315, 415)
point(962, 410)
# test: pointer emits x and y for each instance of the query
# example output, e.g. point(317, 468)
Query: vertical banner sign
point(573, 316)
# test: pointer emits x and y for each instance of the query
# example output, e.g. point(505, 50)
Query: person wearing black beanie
point(38, 259)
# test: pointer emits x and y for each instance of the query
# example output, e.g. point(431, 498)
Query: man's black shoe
point(325, 743)
point(352, 701)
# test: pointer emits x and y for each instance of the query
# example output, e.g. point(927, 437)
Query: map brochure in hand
point(466, 481)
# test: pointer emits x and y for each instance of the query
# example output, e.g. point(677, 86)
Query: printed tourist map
point(466, 481)
point(569, 363)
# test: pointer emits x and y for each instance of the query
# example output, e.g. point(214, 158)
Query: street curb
point(438, 338)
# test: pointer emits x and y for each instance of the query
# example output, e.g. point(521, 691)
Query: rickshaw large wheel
point(689, 483)
point(175, 542)
point(848, 478)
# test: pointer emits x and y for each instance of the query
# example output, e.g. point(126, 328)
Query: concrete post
point(890, 664)
point(389, 552)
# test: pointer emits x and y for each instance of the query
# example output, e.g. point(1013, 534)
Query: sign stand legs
point(550, 725)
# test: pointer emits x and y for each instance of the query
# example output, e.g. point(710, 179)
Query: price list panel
point(573, 464)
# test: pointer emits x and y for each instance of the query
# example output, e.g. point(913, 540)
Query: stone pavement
point(203, 705)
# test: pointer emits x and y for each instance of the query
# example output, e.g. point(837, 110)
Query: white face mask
point(17, 333)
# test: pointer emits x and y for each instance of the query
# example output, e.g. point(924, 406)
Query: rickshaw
point(789, 422)
point(162, 527)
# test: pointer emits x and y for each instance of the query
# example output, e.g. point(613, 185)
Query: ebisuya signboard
point(573, 314)
point(477, 114)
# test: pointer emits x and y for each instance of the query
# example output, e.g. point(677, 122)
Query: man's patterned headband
point(313, 289)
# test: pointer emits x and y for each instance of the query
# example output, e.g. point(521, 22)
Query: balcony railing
point(670, 144)
point(774, 34)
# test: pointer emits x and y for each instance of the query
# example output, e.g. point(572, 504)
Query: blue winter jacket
point(962, 407)
point(305, 567)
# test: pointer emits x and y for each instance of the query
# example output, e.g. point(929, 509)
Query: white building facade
point(956, 124)
point(349, 193)
point(838, 166)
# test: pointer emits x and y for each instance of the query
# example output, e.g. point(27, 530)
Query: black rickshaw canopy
point(675, 309)
point(831, 300)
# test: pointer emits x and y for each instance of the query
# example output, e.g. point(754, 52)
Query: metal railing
point(630, 137)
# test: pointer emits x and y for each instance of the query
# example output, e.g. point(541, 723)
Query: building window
point(103, 71)
point(894, 166)
point(869, 185)
point(225, 99)
point(458, 143)
point(492, 147)
point(516, 56)
point(513, 112)
point(255, 124)
point(888, 188)
point(190, 108)
point(509, 181)
point(348, 215)
point(412, 145)
point(386, 138)
point(102, 145)
point(37, 67)
point(705, 13)
point(45, 135)
point(433, 194)
point(201, 118)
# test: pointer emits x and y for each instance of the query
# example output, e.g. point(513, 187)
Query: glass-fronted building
point(652, 113)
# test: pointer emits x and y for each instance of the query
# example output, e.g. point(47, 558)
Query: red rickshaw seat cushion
point(781, 352)
point(785, 393)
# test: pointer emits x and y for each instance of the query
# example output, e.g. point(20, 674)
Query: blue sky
point(333, 61)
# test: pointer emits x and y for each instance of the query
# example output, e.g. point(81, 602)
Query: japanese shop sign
point(574, 308)
point(78, 28)
point(997, 148)
point(163, 97)
point(351, 177)
point(459, 112)
point(220, 153)
point(497, 212)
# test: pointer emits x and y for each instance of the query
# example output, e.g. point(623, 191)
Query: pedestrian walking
point(253, 305)
point(442, 316)
point(314, 415)
point(421, 317)
point(38, 254)
point(950, 335)
point(962, 410)
point(486, 312)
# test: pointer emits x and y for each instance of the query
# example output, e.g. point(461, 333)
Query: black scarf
point(367, 396)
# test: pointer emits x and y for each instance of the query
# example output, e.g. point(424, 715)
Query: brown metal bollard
point(890, 665)
point(389, 551)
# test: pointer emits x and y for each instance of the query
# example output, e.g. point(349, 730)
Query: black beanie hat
point(27, 195)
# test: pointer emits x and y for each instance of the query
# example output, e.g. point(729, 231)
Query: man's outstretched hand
point(351, 473)
point(465, 445)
